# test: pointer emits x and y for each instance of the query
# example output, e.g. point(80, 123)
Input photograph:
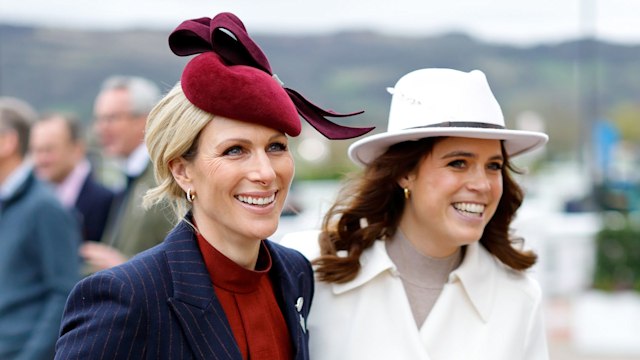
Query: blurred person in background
point(120, 112)
point(215, 288)
point(39, 242)
point(416, 258)
point(59, 157)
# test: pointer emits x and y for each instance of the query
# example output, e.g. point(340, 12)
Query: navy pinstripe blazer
point(162, 305)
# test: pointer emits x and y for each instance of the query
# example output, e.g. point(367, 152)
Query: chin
point(264, 231)
point(467, 239)
point(264, 236)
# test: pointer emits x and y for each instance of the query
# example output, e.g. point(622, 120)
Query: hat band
point(462, 124)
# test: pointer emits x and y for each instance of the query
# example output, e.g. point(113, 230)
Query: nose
point(262, 170)
point(479, 180)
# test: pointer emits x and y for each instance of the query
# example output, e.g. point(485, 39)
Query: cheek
point(442, 183)
point(207, 174)
point(122, 128)
point(70, 161)
point(496, 193)
point(497, 187)
point(285, 168)
point(107, 128)
point(209, 168)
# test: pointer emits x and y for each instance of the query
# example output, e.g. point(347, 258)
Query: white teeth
point(470, 207)
point(256, 200)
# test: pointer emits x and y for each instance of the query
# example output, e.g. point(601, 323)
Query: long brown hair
point(369, 207)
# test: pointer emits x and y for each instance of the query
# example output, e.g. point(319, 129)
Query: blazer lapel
point(290, 287)
point(199, 312)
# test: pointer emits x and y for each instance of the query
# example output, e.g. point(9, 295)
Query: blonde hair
point(172, 131)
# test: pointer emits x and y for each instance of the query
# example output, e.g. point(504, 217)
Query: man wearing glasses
point(120, 111)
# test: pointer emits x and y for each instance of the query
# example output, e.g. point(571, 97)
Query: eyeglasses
point(112, 118)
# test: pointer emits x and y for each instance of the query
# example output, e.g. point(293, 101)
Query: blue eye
point(458, 164)
point(234, 150)
point(276, 147)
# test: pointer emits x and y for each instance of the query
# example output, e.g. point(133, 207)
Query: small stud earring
point(407, 193)
point(190, 196)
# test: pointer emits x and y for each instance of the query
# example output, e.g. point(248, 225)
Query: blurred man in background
point(120, 112)
point(59, 157)
point(38, 246)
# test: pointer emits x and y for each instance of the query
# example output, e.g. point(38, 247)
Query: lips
point(470, 208)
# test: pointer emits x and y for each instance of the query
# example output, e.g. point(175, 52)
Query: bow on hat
point(226, 35)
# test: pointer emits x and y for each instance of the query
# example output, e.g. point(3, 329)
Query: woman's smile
point(470, 209)
point(454, 193)
point(256, 200)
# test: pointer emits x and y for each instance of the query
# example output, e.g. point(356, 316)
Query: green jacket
point(132, 229)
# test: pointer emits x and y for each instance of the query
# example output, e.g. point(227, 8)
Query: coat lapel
point(194, 303)
point(290, 287)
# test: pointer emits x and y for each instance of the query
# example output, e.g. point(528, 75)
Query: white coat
point(485, 311)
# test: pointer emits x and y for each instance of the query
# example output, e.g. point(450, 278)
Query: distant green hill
point(567, 84)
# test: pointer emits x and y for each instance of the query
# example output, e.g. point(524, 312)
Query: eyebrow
point(247, 141)
point(467, 154)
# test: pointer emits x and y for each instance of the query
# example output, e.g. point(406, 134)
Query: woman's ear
point(406, 180)
point(178, 168)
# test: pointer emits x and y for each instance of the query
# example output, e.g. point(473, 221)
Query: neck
point(427, 246)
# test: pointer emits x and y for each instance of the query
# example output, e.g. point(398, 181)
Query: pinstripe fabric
point(161, 305)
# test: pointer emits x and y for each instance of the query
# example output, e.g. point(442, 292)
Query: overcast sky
point(510, 21)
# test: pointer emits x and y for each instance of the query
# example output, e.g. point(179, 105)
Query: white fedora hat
point(444, 102)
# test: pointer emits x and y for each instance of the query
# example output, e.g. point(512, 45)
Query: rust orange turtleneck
point(248, 300)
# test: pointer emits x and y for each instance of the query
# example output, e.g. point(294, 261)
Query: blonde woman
point(215, 288)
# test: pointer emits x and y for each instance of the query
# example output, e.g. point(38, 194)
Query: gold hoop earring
point(190, 196)
point(407, 193)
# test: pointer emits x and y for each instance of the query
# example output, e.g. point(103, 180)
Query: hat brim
point(516, 142)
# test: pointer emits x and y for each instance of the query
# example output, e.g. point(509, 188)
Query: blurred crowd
point(60, 220)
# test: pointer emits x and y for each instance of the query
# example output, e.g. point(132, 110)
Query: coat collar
point(193, 299)
point(16, 183)
point(290, 288)
point(477, 274)
point(373, 262)
point(22, 180)
point(195, 304)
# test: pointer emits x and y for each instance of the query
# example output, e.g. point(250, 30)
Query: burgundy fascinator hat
point(231, 77)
